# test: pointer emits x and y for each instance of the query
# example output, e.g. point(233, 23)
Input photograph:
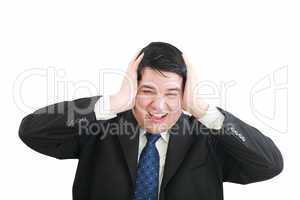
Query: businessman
point(154, 139)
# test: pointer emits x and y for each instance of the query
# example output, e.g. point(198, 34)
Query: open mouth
point(157, 117)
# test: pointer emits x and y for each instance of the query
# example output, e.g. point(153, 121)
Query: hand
point(192, 102)
point(125, 98)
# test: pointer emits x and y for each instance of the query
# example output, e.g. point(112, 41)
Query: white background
point(52, 51)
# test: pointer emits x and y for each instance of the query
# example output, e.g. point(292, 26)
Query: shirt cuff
point(102, 109)
point(213, 118)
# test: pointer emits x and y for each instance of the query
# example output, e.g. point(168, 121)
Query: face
point(158, 103)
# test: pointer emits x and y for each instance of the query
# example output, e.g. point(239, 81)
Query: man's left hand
point(192, 102)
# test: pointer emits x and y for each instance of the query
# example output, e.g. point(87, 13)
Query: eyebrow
point(150, 87)
point(147, 86)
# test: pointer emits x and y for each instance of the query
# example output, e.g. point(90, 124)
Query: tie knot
point(152, 138)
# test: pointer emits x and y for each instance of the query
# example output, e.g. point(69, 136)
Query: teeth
point(157, 115)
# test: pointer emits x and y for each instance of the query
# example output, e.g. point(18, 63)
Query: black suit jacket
point(198, 159)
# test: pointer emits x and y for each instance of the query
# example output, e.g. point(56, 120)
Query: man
point(154, 139)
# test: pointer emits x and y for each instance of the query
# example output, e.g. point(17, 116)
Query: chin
point(156, 127)
point(156, 130)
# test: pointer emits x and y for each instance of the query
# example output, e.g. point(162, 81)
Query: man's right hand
point(125, 98)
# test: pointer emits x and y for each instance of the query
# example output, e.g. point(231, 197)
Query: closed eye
point(147, 91)
point(171, 94)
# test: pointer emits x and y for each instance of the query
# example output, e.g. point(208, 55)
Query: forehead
point(156, 79)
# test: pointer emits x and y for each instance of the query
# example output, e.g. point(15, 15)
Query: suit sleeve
point(243, 153)
point(55, 131)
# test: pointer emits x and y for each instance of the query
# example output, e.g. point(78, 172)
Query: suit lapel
point(179, 143)
point(129, 140)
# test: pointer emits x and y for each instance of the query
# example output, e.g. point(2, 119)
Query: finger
point(189, 65)
point(137, 61)
point(186, 60)
point(135, 56)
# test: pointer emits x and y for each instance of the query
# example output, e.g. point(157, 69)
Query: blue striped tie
point(147, 179)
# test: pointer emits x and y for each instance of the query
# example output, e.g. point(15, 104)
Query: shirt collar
point(164, 135)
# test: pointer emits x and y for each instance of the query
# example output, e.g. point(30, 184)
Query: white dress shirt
point(212, 119)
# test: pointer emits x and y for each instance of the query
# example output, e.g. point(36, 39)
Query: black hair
point(162, 57)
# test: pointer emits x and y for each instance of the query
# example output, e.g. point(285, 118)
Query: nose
point(159, 104)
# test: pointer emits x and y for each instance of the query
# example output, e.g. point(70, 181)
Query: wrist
point(114, 103)
point(200, 111)
point(213, 118)
point(117, 103)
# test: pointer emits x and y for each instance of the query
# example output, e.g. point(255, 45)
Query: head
point(161, 80)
